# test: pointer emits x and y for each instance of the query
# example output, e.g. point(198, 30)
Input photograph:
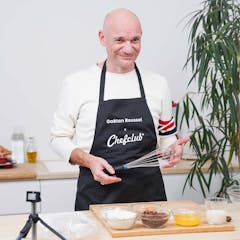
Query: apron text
point(114, 139)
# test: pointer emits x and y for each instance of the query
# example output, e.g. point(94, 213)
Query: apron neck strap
point(103, 76)
point(140, 81)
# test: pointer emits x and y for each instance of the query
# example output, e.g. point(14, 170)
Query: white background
point(43, 41)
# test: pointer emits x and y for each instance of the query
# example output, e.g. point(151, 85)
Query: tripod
point(33, 218)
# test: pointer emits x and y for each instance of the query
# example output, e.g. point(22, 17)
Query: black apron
point(124, 132)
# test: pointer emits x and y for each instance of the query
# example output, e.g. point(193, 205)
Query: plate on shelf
point(8, 164)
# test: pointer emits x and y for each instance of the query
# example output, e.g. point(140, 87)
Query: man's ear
point(101, 37)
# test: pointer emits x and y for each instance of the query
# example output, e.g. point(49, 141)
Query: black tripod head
point(33, 197)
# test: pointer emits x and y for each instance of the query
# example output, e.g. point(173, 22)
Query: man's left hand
point(177, 149)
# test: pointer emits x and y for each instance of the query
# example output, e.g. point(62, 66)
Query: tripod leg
point(51, 229)
point(24, 232)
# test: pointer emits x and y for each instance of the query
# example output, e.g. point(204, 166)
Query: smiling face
point(121, 36)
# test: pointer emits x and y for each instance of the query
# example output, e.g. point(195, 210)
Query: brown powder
point(153, 219)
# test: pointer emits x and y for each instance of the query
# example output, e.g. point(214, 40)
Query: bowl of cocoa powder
point(153, 216)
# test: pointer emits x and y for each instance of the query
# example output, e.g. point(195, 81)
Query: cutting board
point(19, 171)
point(170, 228)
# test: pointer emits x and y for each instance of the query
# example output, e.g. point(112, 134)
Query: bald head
point(122, 17)
point(121, 36)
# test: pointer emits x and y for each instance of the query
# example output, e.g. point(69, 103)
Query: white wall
point(43, 41)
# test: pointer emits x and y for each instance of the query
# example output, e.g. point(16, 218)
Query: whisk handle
point(116, 168)
point(119, 168)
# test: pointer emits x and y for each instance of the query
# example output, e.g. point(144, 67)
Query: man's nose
point(128, 47)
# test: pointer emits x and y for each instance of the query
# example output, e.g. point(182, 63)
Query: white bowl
point(120, 218)
point(216, 216)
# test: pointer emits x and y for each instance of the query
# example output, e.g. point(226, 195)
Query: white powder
point(118, 213)
point(216, 216)
point(119, 218)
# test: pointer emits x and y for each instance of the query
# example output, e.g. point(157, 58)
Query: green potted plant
point(214, 57)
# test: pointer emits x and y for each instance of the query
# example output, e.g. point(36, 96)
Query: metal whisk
point(151, 159)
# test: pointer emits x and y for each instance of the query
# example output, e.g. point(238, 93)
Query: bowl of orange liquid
point(186, 217)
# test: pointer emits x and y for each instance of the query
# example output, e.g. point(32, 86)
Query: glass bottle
point(17, 146)
point(31, 150)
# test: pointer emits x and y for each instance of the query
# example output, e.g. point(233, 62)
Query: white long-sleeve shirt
point(75, 118)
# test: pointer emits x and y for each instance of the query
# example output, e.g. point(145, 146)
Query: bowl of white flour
point(119, 218)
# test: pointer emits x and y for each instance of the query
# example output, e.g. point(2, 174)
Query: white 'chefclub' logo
point(114, 139)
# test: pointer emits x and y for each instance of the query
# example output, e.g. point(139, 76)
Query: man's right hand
point(97, 165)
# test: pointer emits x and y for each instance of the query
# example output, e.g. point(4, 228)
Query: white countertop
point(11, 225)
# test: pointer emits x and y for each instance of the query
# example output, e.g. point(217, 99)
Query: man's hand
point(177, 149)
point(97, 166)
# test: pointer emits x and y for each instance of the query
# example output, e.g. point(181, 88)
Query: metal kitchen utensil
point(152, 159)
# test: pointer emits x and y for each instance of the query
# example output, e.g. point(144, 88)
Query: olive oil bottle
point(31, 150)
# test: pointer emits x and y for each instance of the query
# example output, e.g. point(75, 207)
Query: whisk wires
point(151, 159)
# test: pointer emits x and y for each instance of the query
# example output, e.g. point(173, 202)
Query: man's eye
point(119, 40)
point(136, 40)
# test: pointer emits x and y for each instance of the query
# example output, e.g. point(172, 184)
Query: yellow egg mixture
point(187, 219)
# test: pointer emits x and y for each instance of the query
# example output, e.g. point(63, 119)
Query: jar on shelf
point(31, 150)
point(17, 146)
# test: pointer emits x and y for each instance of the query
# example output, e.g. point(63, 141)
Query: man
point(112, 114)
